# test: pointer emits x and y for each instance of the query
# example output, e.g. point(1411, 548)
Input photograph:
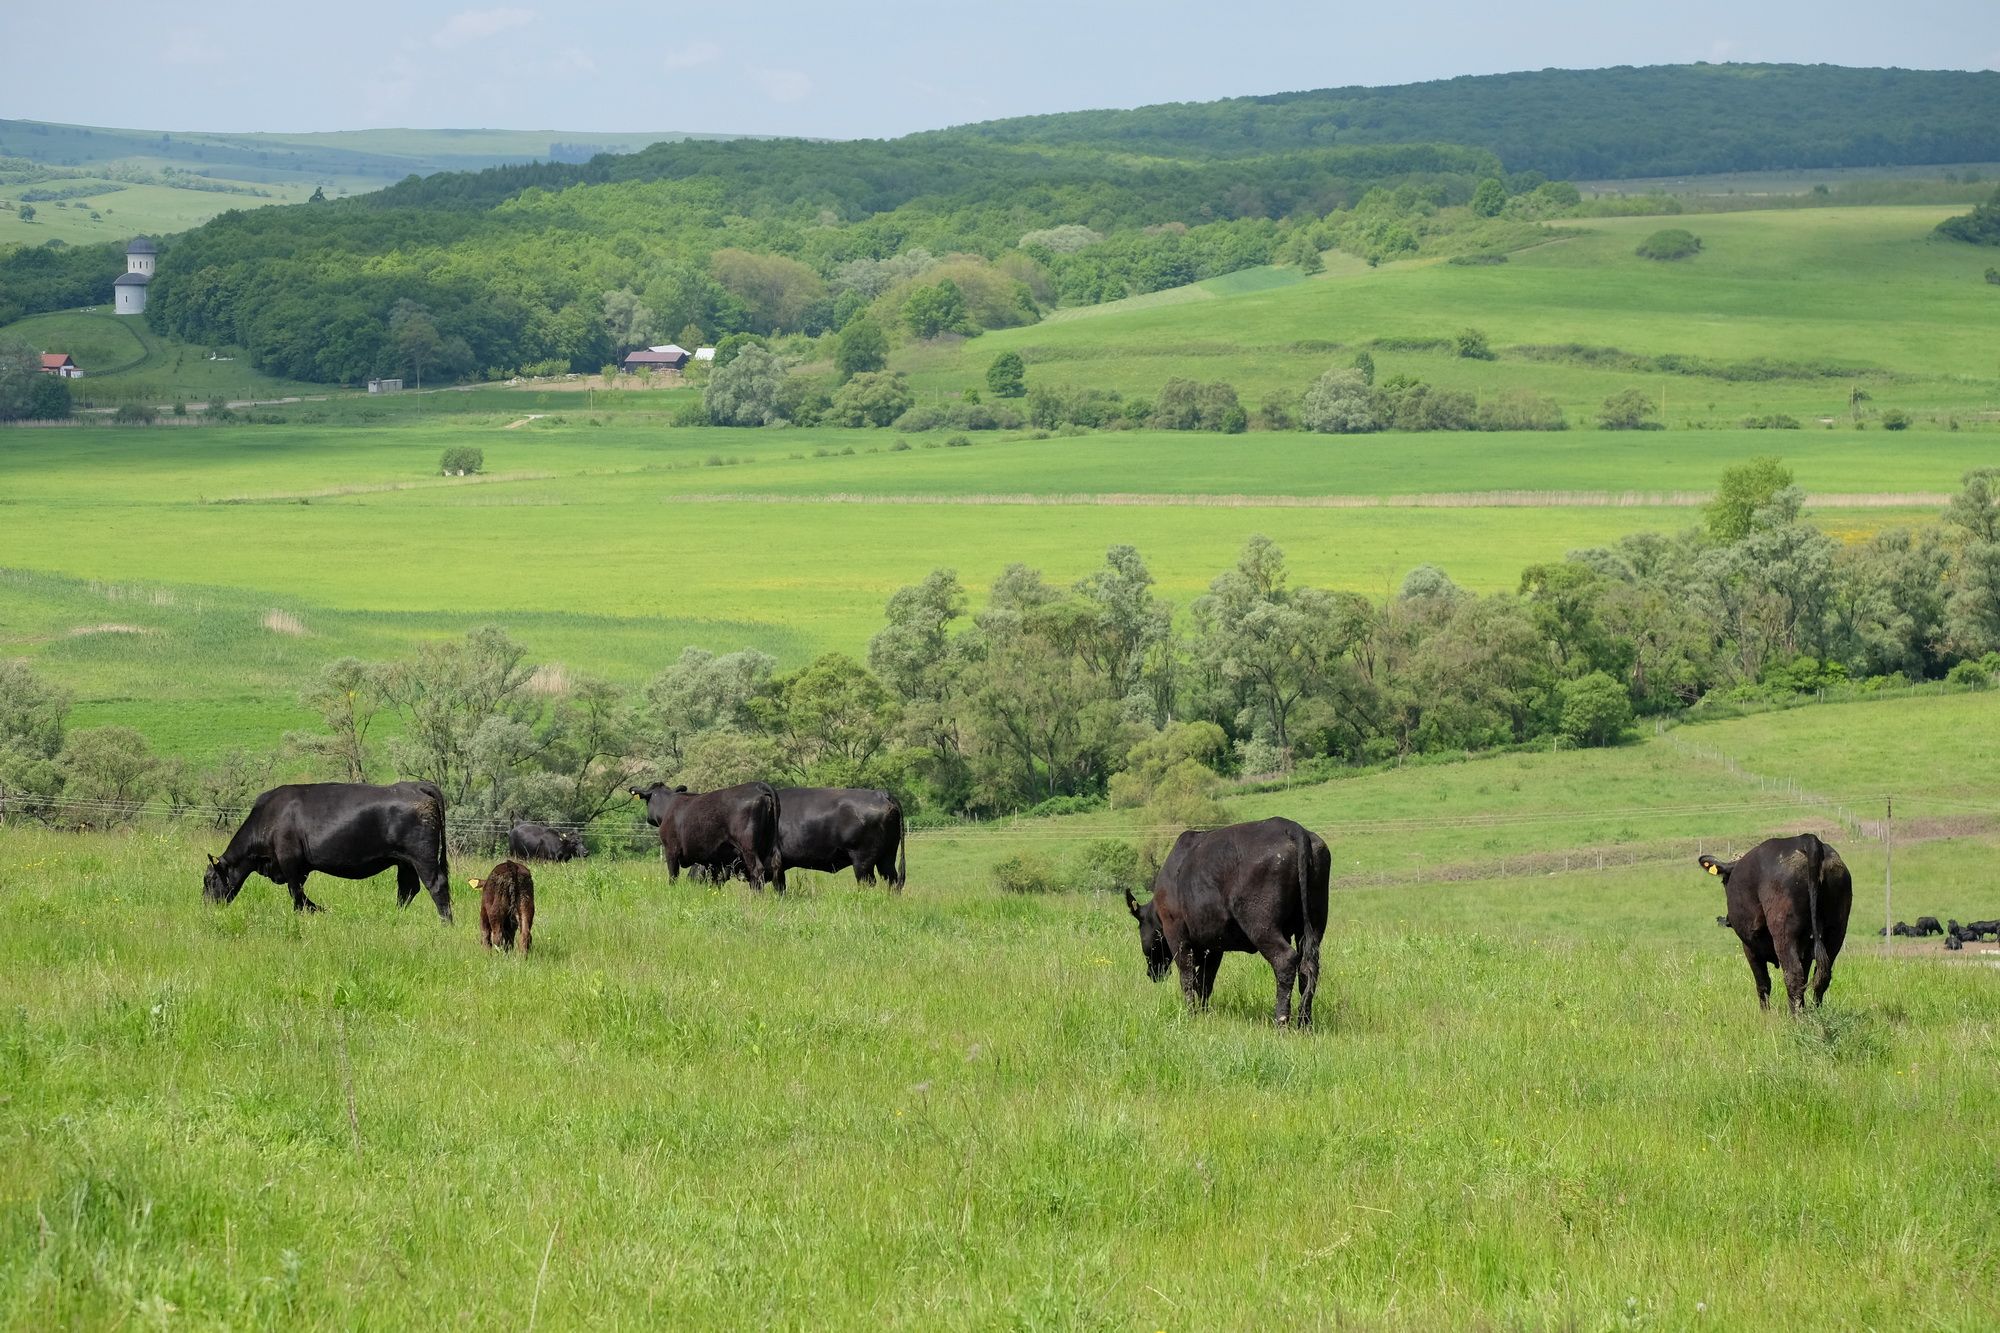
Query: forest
point(1662, 120)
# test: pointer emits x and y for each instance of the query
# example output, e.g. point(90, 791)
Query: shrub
point(1277, 413)
point(1339, 403)
point(871, 398)
point(1993, 276)
point(461, 459)
point(958, 442)
point(1522, 410)
point(1775, 421)
point(135, 412)
point(1104, 865)
point(1596, 710)
point(1669, 243)
point(900, 447)
point(1629, 409)
point(1007, 376)
point(1471, 344)
point(1973, 674)
point(1895, 419)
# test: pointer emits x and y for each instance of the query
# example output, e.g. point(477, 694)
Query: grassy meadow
point(1867, 290)
point(143, 565)
point(1531, 1100)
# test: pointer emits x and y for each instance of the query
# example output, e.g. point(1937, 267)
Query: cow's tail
point(436, 794)
point(902, 850)
point(775, 865)
point(1312, 926)
point(1815, 863)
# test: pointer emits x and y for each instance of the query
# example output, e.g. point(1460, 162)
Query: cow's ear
point(682, 787)
point(211, 859)
point(1131, 903)
point(1711, 865)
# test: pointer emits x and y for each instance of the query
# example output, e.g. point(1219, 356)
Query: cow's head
point(572, 845)
point(1152, 939)
point(218, 885)
point(1720, 869)
point(655, 798)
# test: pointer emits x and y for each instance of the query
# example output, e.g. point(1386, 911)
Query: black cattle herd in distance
point(1245, 888)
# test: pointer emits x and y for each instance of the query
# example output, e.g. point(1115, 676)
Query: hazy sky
point(864, 69)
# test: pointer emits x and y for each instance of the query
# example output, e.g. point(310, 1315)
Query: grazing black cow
point(1788, 902)
point(1246, 888)
point(539, 842)
point(351, 830)
point(1928, 925)
point(716, 830)
point(833, 828)
point(506, 906)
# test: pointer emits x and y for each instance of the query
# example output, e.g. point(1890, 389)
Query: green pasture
point(124, 361)
point(144, 564)
point(1529, 1101)
point(1865, 289)
point(125, 211)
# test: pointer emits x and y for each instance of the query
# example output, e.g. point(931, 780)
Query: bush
point(1471, 344)
point(1007, 376)
point(135, 412)
point(48, 399)
point(461, 459)
point(1522, 410)
point(1895, 419)
point(1339, 403)
point(1973, 674)
point(958, 442)
point(1596, 710)
point(1104, 865)
point(871, 398)
point(1775, 421)
point(1629, 409)
point(1669, 243)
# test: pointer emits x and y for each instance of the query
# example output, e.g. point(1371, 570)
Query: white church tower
point(128, 293)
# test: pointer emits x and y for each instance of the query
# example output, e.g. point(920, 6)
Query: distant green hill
point(354, 157)
point(1662, 120)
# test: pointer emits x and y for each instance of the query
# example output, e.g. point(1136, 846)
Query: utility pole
point(1888, 870)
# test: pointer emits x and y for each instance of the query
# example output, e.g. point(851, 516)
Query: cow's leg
point(1284, 961)
point(1793, 963)
point(864, 871)
point(406, 885)
point(527, 924)
point(1188, 964)
point(301, 903)
point(1211, 963)
point(1308, 979)
point(1759, 972)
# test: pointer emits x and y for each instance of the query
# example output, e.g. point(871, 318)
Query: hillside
point(1576, 124)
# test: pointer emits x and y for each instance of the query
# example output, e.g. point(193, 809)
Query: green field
point(143, 563)
point(123, 361)
point(1545, 1100)
point(1862, 289)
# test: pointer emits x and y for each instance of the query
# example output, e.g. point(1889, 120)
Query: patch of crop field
point(1526, 1102)
point(1786, 284)
point(125, 211)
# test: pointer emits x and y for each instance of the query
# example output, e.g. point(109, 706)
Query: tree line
point(1053, 697)
point(1663, 120)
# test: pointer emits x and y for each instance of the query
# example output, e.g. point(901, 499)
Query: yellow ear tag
point(472, 883)
point(1711, 870)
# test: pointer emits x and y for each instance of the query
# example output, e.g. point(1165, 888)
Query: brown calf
point(506, 905)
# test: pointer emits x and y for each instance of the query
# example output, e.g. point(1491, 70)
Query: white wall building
point(128, 293)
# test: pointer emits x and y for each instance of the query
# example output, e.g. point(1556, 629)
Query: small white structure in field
point(128, 293)
point(385, 386)
point(704, 354)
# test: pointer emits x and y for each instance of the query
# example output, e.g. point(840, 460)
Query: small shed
point(655, 358)
point(60, 365)
point(385, 386)
point(704, 354)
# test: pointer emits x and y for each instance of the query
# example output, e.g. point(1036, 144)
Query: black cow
point(717, 830)
point(833, 828)
point(1928, 925)
point(1788, 902)
point(1244, 888)
point(539, 842)
point(1953, 942)
point(1979, 930)
point(350, 830)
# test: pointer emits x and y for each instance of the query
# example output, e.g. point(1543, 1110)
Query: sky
point(880, 69)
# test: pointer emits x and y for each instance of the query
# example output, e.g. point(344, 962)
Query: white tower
point(128, 293)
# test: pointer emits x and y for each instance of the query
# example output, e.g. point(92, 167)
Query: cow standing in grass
point(1788, 901)
point(351, 830)
point(716, 831)
point(506, 906)
point(539, 842)
point(1246, 888)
